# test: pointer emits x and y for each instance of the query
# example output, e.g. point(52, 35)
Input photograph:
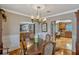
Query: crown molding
point(15, 12)
point(66, 12)
point(18, 13)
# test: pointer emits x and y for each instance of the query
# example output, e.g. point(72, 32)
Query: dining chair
point(47, 37)
point(5, 51)
point(49, 48)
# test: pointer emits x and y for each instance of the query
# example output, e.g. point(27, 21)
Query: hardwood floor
point(62, 44)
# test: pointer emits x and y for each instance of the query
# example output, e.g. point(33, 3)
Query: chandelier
point(38, 18)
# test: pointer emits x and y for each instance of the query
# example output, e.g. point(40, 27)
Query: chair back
point(47, 37)
point(49, 48)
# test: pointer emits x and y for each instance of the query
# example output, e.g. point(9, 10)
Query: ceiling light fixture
point(38, 18)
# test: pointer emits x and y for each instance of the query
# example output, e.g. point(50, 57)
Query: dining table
point(35, 49)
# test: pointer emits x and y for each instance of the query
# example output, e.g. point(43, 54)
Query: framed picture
point(44, 27)
point(24, 27)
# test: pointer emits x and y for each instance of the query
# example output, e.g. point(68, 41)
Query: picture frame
point(27, 27)
point(44, 27)
point(24, 28)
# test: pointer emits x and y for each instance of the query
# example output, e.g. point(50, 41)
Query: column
point(1, 44)
point(77, 41)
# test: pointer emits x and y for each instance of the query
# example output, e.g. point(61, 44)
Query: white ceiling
point(28, 9)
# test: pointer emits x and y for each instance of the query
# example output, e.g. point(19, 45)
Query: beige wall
point(11, 30)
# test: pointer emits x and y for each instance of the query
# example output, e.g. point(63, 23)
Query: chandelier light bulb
point(38, 17)
point(44, 19)
point(32, 17)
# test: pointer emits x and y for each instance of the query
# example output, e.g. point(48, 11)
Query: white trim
point(63, 21)
point(15, 12)
point(66, 12)
point(26, 23)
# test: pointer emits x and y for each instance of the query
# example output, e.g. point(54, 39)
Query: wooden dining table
point(35, 49)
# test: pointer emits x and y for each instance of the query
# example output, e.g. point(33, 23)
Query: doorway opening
point(63, 36)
